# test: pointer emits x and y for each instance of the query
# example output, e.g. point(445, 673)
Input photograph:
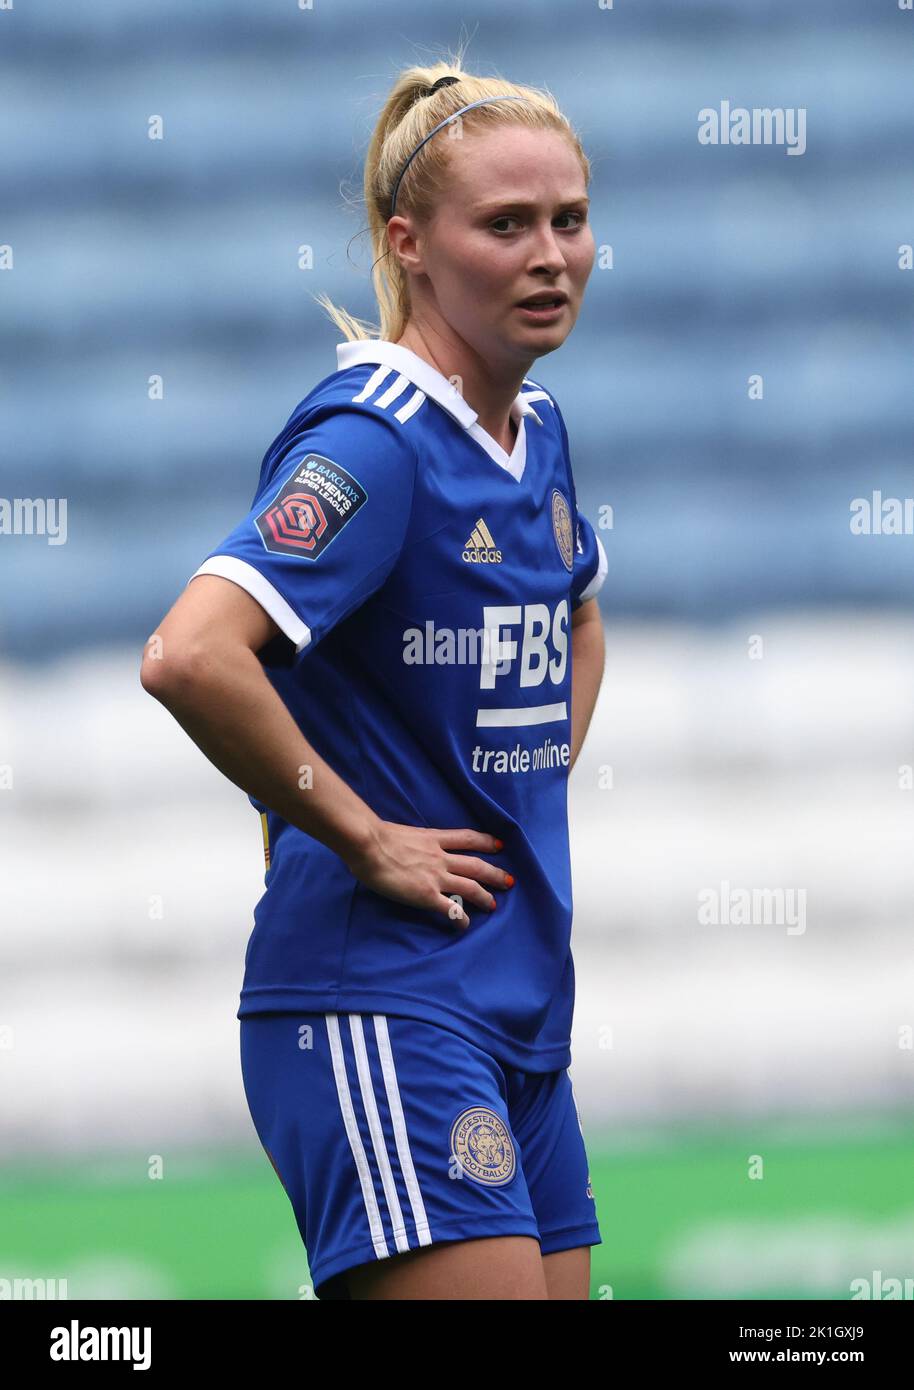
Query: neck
point(485, 389)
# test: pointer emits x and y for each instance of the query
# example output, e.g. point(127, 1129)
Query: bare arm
point(202, 665)
point(588, 654)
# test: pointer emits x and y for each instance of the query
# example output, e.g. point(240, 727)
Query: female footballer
point(396, 654)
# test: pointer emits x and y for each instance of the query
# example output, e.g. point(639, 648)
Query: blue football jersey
point(423, 580)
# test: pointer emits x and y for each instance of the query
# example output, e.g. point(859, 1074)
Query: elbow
point(154, 678)
point(166, 671)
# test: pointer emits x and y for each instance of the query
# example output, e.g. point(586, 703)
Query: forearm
point(225, 702)
point(588, 654)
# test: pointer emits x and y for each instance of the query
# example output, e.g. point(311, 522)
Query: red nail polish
point(499, 844)
point(510, 880)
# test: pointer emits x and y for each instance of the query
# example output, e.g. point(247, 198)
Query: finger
point(480, 869)
point(452, 908)
point(470, 891)
point(468, 839)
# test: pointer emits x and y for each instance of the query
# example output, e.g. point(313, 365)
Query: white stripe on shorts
point(355, 1139)
point(375, 1128)
point(376, 1132)
point(399, 1122)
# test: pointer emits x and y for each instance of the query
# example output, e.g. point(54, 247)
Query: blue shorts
point(389, 1133)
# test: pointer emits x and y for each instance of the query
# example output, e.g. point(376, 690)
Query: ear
point(404, 245)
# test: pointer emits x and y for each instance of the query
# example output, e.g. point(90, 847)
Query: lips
point(544, 299)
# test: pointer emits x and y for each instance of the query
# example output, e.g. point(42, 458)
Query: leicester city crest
point(481, 1143)
point(561, 527)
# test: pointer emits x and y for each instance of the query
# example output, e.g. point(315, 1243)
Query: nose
point(546, 251)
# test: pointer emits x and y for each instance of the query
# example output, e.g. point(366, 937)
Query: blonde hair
point(407, 117)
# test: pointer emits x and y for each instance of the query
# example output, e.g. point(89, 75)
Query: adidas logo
point(480, 548)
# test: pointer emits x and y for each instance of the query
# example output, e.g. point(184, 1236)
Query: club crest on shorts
point(481, 1143)
point(561, 527)
point(311, 508)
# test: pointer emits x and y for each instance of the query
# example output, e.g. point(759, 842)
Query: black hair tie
point(442, 82)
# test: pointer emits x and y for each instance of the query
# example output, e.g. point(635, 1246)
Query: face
point(511, 223)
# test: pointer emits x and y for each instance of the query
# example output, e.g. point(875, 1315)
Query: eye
point(497, 225)
point(581, 216)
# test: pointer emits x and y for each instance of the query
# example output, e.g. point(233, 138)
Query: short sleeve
point(589, 559)
point(590, 563)
point(328, 525)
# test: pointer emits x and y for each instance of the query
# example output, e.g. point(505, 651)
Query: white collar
point(436, 386)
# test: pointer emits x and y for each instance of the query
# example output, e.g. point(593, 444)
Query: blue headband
point(447, 121)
